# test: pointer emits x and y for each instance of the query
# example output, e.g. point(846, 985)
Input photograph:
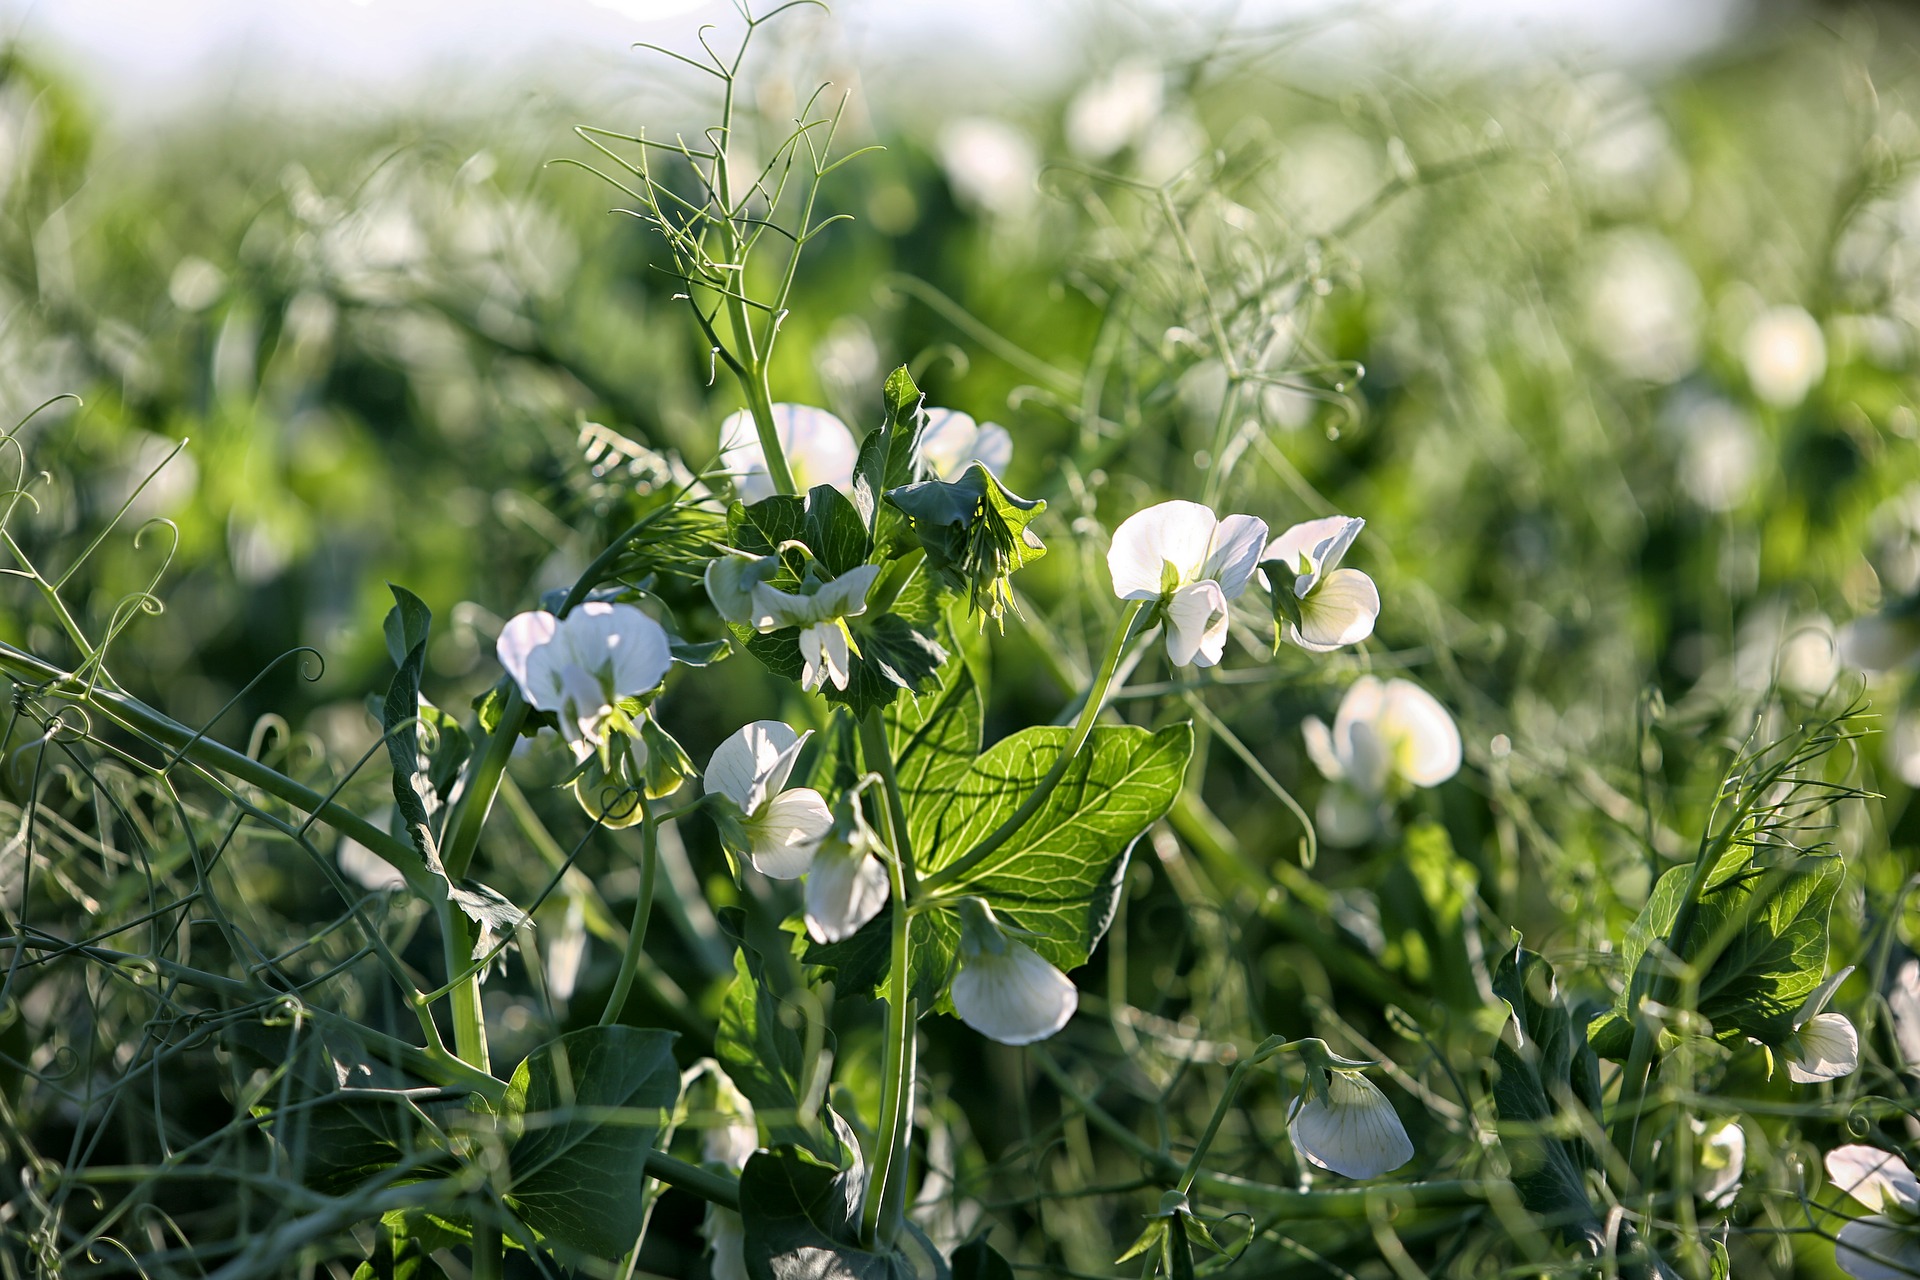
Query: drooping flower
point(1722, 1159)
point(847, 886)
point(1193, 564)
point(1388, 734)
point(1325, 607)
point(951, 442)
point(819, 447)
point(1823, 1046)
point(1886, 1244)
point(1342, 1122)
point(774, 827)
point(581, 666)
point(1003, 988)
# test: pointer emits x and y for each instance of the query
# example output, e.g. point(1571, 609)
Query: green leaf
point(887, 461)
point(975, 534)
point(934, 739)
point(1544, 1074)
point(1758, 941)
point(802, 1220)
point(762, 1044)
point(408, 621)
point(406, 624)
point(824, 522)
point(978, 1260)
point(590, 1107)
point(1427, 901)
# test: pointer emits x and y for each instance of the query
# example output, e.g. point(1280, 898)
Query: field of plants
point(1232, 669)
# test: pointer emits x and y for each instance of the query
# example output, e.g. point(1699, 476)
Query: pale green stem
point(883, 1210)
point(1082, 730)
point(642, 910)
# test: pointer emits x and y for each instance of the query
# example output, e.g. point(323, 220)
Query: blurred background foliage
point(1619, 367)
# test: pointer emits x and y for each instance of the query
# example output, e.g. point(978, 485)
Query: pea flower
point(1341, 1121)
point(846, 886)
point(1387, 734)
point(1722, 1159)
point(774, 827)
point(1003, 988)
point(1823, 1046)
point(741, 592)
point(951, 441)
point(1325, 606)
point(1192, 564)
point(727, 1146)
point(1885, 1244)
point(819, 447)
point(579, 667)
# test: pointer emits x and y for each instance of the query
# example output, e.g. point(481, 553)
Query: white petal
point(845, 889)
point(1826, 1048)
point(813, 671)
point(1197, 624)
point(1422, 738)
point(1235, 553)
point(1353, 1131)
point(1878, 1249)
point(1176, 533)
point(1014, 997)
point(1369, 760)
point(773, 609)
point(993, 448)
point(819, 448)
point(1819, 997)
point(1320, 749)
point(947, 443)
point(1339, 611)
point(620, 643)
point(731, 581)
point(1303, 541)
point(1877, 1179)
point(1904, 1000)
point(1723, 1159)
point(785, 834)
point(846, 595)
point(519, 639)
point(1361, 705)
point(726, 1235)
point(1345, 818)
point(745, 763)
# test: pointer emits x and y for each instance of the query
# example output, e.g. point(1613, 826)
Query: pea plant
point(908, 887)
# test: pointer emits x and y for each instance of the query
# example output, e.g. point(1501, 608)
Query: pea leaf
point(760, 1043)
point(407, 623)
point(887, 461)
point(590, 1106)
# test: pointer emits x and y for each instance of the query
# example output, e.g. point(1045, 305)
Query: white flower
point(579, 666)
point(825, 642)
point(819, 448)
point(1723, 1158)
point(1337, 606)
point(1785, 354)
point(1004, 989)
point(1193, 563)
point(1114, 110)
point(1823, 1046)
point(1643, 306)
point(1386, 733)
point(1347, 1125)
point(951, 442)
point(1904, 1001)
point(778, 828)
point(1884, 1245)
point(728, 1145)
point(990, 164)
point(846, 886)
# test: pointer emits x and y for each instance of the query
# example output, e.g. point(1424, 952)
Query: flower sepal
point(975, 533)
point(1173, 1231)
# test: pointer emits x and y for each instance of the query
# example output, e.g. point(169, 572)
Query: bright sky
point(143, 56)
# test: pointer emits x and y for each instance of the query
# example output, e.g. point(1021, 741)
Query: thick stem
point(489, 1250)
point(642, 910)
point(884, 1208)
point(459, 936)
point(1220, 1109)
point(1082, 730)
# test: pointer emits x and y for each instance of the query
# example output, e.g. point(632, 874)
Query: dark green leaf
point(590, 1107)
point(886, 462)
point(1428, 915)
point(978, 1260)
point(802, 1220)
point(406, 624)
point(761, 1041)
point(412, 781)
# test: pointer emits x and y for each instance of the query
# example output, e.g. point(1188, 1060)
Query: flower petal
point(1877, 1249)
point(787, 831)
point(819, 448)
point(1352, 1130)
point(846, 888)
point(1723, 1159)
point(1235, 553)
point(1826, 1047)
point(1177, 533)
point(731, 580)
point(619, 643)
point(1339, 611)
point(846, 595)
point(1819, 997)
point(1014, 996)
point(1303, 541)
point(519, 639)
point(1423, 740)
point(951, 442)
point(1877, 1179)
point(1320, 749)
point(746, 761)
point(824, 655)
point(1197, 624)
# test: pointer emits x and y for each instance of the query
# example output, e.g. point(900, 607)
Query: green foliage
point(803, 1217)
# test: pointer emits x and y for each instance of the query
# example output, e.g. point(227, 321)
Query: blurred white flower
point(1344, 1123)
point(1881, 641)
point(195, 284)
point(1823, 1046)
point(1112, 112)
point(819, 447)
point(1904, 1001)
point(1193, 563)
point(951, 442)
point(777, 829)
point(990, 164)
point(579, 666)
point(1885, 1245)
point(1003, 988)
point(1720, 457)
point(1723, 1159)
point(1810, 657)
point(826, 645)
point(1386, 733)
point(1643, 307)
point(847, 886)
point(728, 1144)
point(567, 951)
point(1785, 354)
point(1337, 606)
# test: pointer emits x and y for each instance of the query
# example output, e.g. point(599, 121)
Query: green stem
point(459, 936)
point(879, 758)
point(642, 910)
point(489, 1250)
point(881, 1215)
point(1082, 730)
point(1220, 1109)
